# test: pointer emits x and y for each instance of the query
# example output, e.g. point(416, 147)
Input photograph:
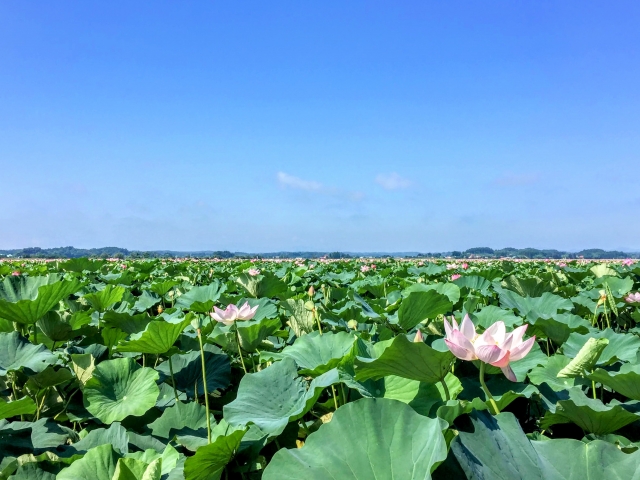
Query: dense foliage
point(316, 369)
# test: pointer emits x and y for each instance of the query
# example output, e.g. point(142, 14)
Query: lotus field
point(318, 369)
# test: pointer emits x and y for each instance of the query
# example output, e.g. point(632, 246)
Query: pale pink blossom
point(494, 346)
point(233, 313)
point(455, 276)
point(15, 274)
point(628, 262)
point(562, 264)
point(633, 298)
point(365, 268)
point(452, 266)
point(253, 272)
point(465, 266)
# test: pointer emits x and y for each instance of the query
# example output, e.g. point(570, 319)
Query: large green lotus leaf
point(191, 415)
point(621, 346)
point(419, 396)
point(45, 433)
point(474, 282)
point(317, 354)
point(99, 463)
point(597, 459)
point(415, 361)
point(55, 328)
point(169, 457)
point(273, 397)
point(31, 471)
point(80, 265)
point(430, 270)
point(300, 319)
point(22, 406)
point(498, 449)
point(545, 306)
point(549, 374)
point(116, 436)
point(265, 285)
point(21, 287)
point(49, 377)
point(126, 322)
point(419, 306)
point(602, 270)
point(619, 286)
point(503, 390)
point(146, 301)
point(133, 469)
point(490, 314)
point(119, 388)
point(28, 299)
point(187, 370)
point(103, 299)
point(450, 290)
point(158, 337)
point(559, 327)
point(369, 439)
point(592, 415)
point(163, 287)
point(16, 353)
point(210, 460)
point(201, 299)
point(625, 381)
point(253, 332)
point(527, 287)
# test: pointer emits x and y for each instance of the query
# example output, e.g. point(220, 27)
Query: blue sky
point(354, 126)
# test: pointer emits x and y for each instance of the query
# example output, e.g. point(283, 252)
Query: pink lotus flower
point(15, 274)
point(465, 266)
point(494, 346)
point(233, 313)
point(455, 276)
point(365, 268)
point(562, 264)
point(633, 298)
point(451, 266)
point(253, 272)
point(628, 262)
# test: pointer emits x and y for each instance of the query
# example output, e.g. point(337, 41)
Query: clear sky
point(354, 126)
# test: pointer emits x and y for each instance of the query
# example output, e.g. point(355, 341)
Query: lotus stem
point(486, 390)
point(593, 390)
point(335, 400)
point(173, 380)
point(240, 350)
point(447, 395)
point(315, 314)
point(204, 387)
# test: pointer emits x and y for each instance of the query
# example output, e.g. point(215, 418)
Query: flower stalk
point(486, 389)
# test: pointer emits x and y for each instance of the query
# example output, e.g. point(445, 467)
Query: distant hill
point(476, 252)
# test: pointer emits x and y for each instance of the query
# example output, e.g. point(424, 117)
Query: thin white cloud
point(392, 181)
point(286, 180)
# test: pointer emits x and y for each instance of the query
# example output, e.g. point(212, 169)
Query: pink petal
point(503, 361)
point(467, 328)
point(489, 353)
point(521, 350)
point(498, 331)
point(518, 333)
point(447, 328)
point(460, 352)
point(508, 372)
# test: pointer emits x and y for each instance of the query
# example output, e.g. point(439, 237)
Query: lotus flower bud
point(419, 338)
point(352, 324)
point(311, 292)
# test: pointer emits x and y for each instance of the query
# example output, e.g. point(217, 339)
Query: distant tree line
point(476, 252)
